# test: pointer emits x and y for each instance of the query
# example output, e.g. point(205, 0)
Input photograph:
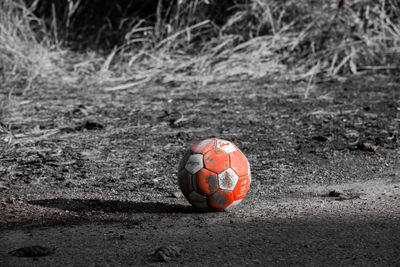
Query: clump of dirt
point(165, 254)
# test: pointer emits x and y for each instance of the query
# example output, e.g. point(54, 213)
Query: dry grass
point(185, 44)
point(25, 53)
point(362, 36)
point(271, 38)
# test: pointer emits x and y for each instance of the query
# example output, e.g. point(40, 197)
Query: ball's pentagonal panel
point(185, 182)
point(216, 160)
point(226, 146)
point(238, 162)
point(241, 187)
point(198, 200)
point(221, 199)
point(194, 163)
point(203, 146)
point(227, 179)
point(234, 204)
point(206, 182)
point(184, 159)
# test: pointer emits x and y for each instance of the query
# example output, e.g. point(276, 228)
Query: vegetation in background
point(137, 42)
point(24, 47)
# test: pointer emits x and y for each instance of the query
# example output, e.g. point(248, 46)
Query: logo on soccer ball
point(214, 175)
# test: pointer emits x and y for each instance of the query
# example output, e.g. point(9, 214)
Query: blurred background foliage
point(105, 24)
point(309, 37)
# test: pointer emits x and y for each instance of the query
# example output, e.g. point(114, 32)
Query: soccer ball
point(214, 175)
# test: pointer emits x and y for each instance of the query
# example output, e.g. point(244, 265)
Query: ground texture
point(93, 174)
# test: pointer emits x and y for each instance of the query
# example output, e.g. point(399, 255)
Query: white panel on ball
point(184, 159)
point(234, 204)
point(227, 179)
point(185, 182)
point(202, 145)
point(226, 146)
point(198, 200)
point(194, 163)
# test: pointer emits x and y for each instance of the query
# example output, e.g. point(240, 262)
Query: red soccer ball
point(214, 175)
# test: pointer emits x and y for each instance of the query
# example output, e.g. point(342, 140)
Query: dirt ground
point(93, 173)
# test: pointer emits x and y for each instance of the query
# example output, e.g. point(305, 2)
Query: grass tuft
point(24, 46)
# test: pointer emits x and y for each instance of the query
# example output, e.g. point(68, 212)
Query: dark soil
point(93, 174)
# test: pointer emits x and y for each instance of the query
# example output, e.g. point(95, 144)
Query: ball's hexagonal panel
point(234, 204)
point(184, 159)
point(216, 160)
point(194, 163)
point(198, 200)
point(203, 146)
point(221, 199)
point(241, 187)
point(206, 182)
point(238, 162)
point(226, 146)
point(185, 182)
point(227, 179)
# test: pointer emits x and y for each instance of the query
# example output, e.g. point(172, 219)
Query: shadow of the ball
point(112, 206)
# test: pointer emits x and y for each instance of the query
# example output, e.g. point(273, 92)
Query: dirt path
point(93, 174)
